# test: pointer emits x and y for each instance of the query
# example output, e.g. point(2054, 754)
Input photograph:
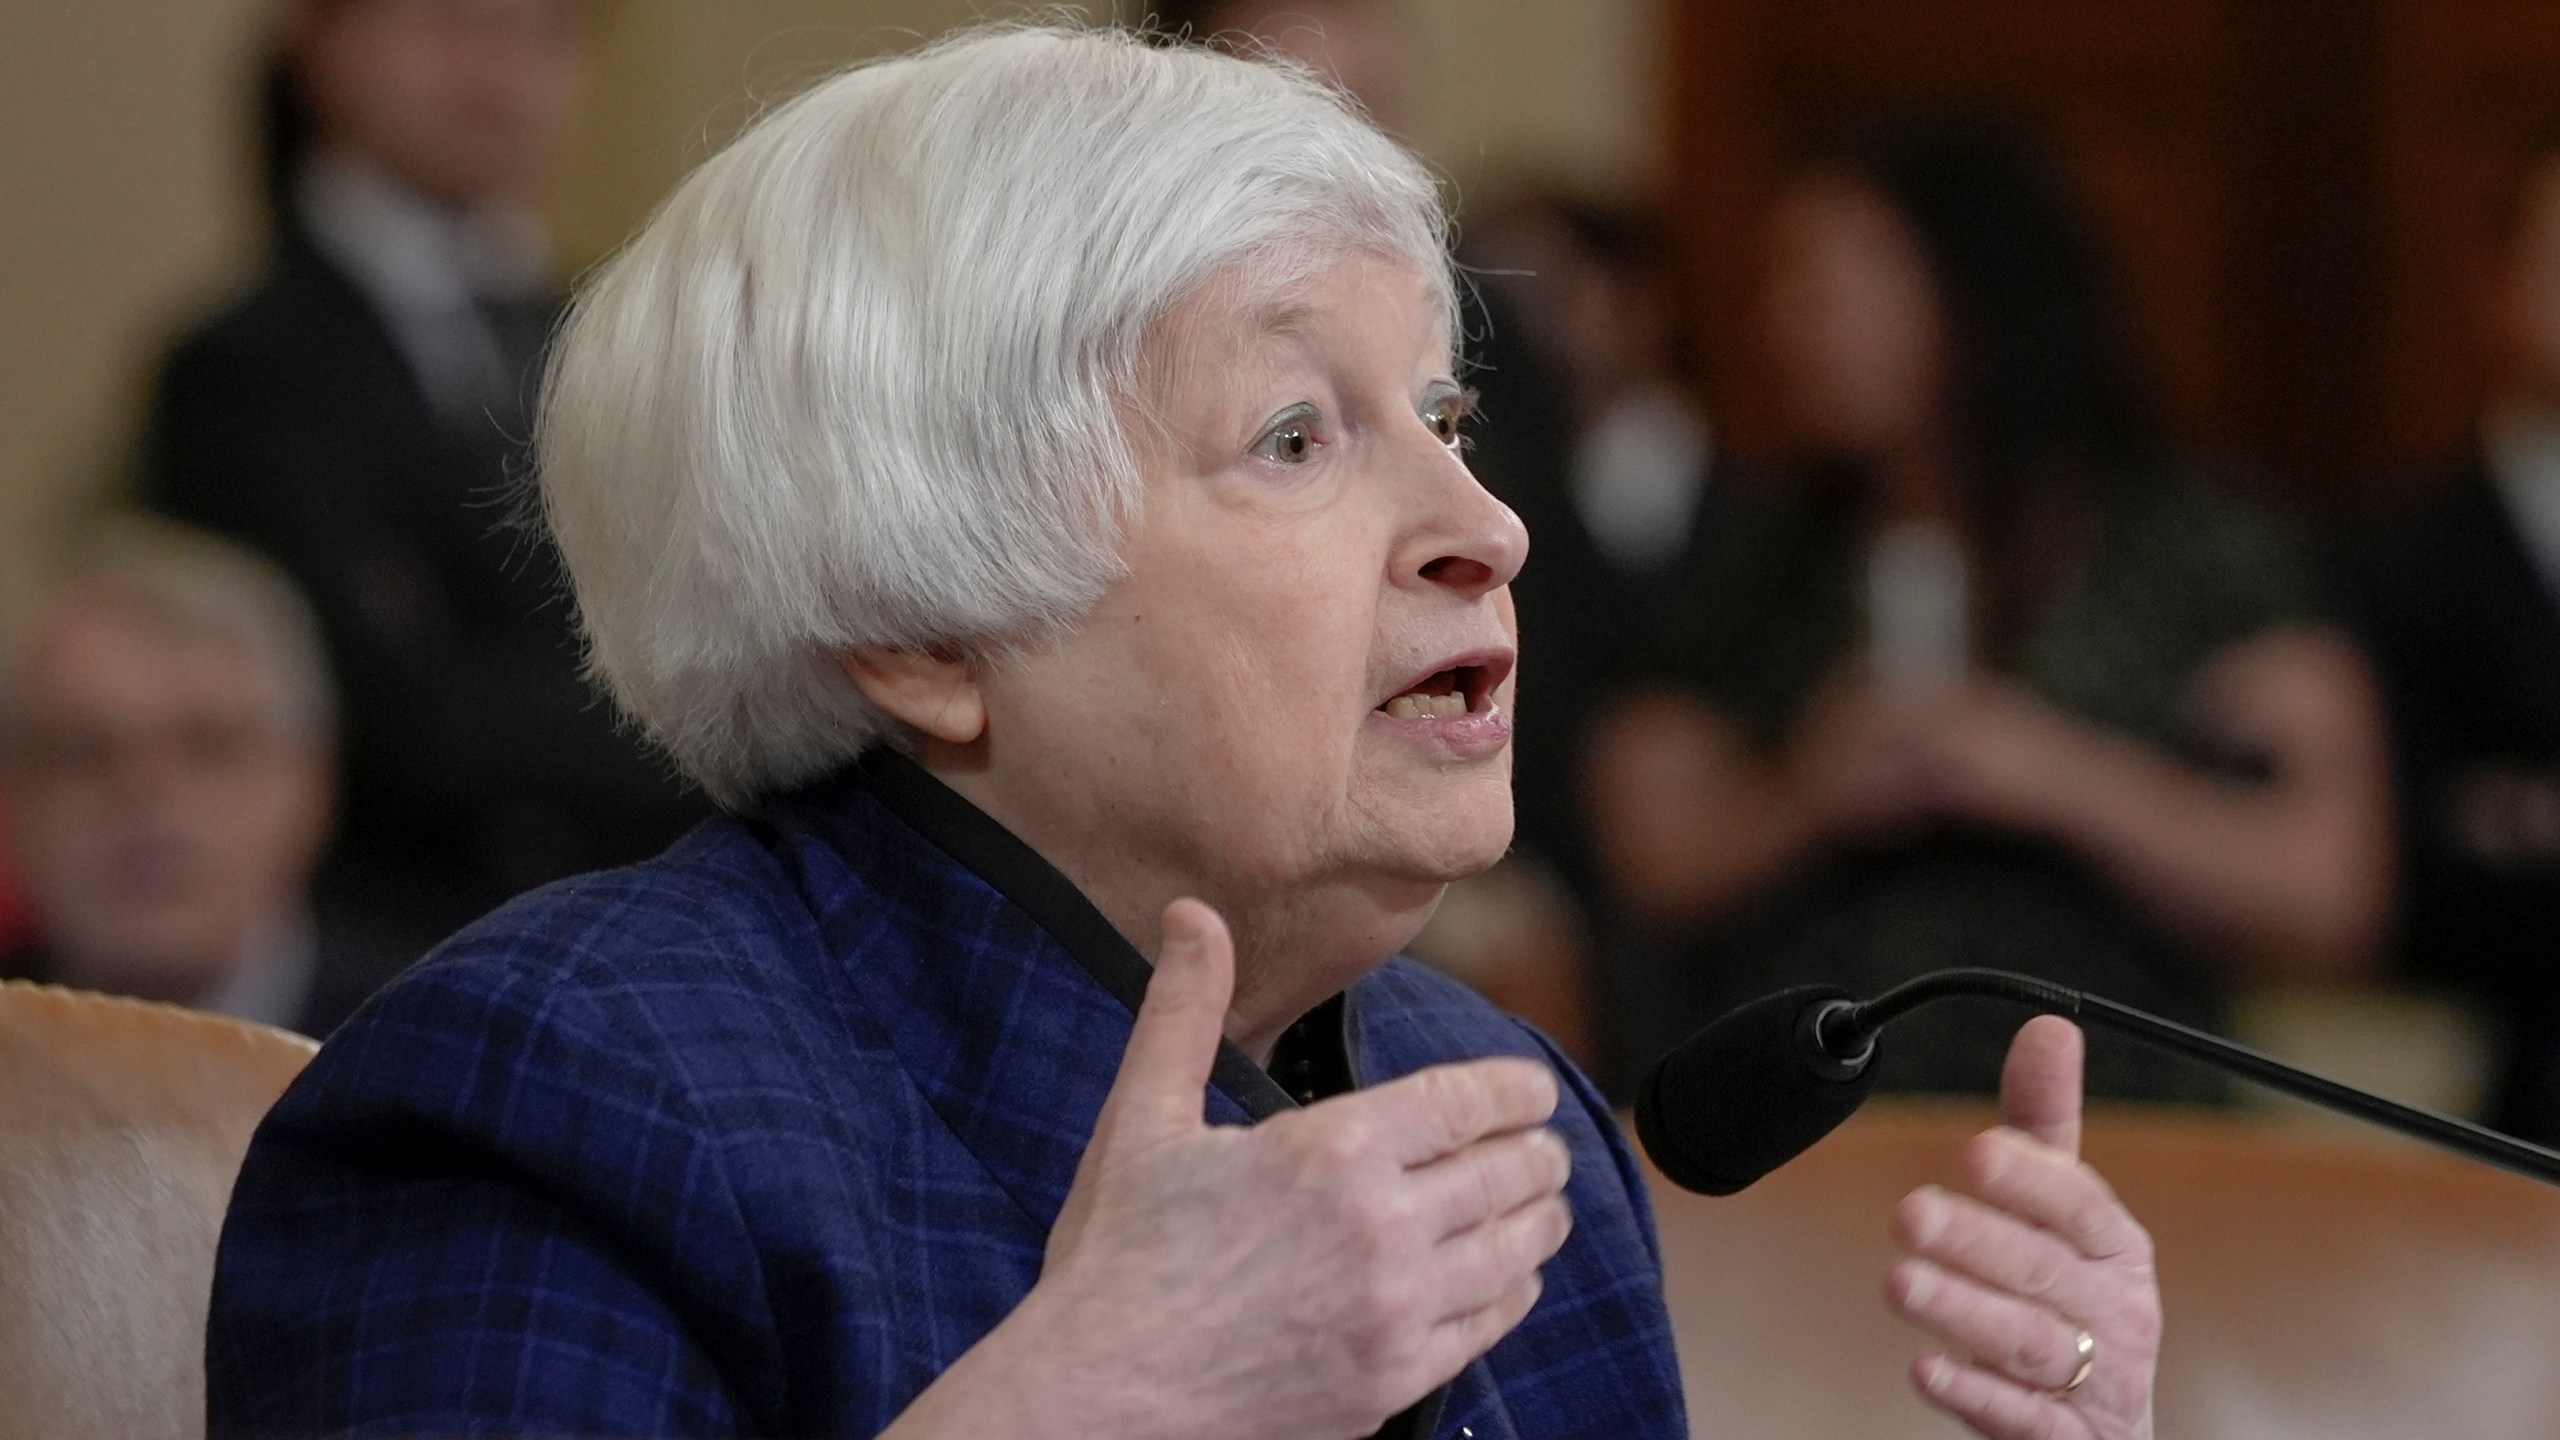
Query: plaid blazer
point(759, 1136)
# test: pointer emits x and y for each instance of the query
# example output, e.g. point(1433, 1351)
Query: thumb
point(2040, 1084)
point(1175, 1041)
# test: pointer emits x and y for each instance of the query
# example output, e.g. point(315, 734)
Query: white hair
point(861, 379)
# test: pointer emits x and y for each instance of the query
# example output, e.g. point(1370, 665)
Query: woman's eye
point(1447, 418)
point(1291, 440)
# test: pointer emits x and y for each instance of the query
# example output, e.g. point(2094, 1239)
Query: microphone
point(1758, 1087)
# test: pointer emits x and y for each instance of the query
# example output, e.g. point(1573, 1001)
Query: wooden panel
point(2227, 149)
point(2135, 96)
point(2468, 87)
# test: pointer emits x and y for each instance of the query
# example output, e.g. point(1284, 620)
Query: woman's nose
point(1469, 541)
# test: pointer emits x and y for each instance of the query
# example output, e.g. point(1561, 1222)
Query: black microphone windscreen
point(1743, 1096)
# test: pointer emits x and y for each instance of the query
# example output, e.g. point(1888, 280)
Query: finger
point(1994, 1405)
point(2019, 1338)
point(1491, 1177)
point(2064, 1196)
point(1476, 1268)
point(1458, 1340)
point(1430, 1113)
point(1996, 1248)
point(1165, 1070)
point(2040, 1083)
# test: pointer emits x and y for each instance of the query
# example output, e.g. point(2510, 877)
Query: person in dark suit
point(2459, 605)
point(165, 734)
point(357, 416)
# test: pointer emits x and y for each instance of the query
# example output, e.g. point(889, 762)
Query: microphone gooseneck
point(1758, 1087)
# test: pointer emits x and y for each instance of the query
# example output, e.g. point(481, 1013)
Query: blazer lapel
point(1009, 997)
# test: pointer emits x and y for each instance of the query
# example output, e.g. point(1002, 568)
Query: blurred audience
point(1592, 432)
point(2459, 604)
point(1616, 498)
point(1991, 680)
point(356, 416)
point(166, 737)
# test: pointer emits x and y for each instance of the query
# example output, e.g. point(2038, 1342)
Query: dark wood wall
point(2300, 195)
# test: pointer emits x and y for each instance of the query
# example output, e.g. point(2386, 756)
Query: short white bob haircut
point(861, 379)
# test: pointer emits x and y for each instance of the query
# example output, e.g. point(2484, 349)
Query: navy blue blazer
point(758, 1137)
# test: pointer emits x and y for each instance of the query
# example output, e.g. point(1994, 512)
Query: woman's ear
point(935, 694)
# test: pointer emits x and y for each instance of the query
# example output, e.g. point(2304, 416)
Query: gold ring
point(2087, 1345)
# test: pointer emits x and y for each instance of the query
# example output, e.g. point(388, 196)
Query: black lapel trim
point(999, 857)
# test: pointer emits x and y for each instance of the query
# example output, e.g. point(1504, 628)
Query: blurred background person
point(165, 736)
point(356, 416)
point(1596, 436)
point(1991, 681)
point(2459, 603)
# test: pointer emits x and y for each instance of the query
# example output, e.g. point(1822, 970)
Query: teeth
point(1411, 706)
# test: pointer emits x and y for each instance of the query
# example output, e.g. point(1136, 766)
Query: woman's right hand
point(1310, 1276)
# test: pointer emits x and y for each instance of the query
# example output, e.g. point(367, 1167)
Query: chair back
point(2315, 1287)
point(122, 1127)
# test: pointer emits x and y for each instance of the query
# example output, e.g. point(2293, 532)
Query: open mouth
point(1461, 689)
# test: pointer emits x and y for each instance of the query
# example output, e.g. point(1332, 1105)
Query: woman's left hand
point(2012, 1278)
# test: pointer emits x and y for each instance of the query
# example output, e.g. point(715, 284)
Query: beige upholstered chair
point(122, 1125)
point(2315, 1287)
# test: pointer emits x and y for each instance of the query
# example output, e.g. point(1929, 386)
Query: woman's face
point(1852, 319)
point(166, 804)
point(1302, 686)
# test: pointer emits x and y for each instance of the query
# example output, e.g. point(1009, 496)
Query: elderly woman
point(1022, 483)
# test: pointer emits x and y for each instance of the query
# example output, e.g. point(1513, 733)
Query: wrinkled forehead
point(1286, 294)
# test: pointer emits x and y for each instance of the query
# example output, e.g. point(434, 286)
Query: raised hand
point(1309, 1276)
point(2012, 1277)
